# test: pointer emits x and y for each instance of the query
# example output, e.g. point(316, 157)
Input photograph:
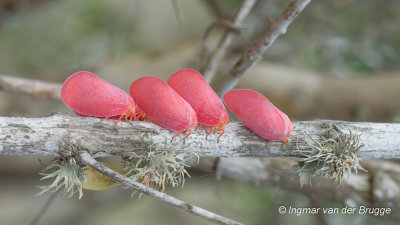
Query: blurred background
point(338, 60)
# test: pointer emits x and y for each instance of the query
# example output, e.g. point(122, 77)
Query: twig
point(30, 87)
point(261, 44)
point(215, 59)
point(45, 207)
point(357, 190)
point(177, 10)
point(215, 5)
point(88, 160)
point(219, 23)
point(60, 134)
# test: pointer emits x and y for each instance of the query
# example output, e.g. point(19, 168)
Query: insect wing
point(191, 86)
point(257, 113)
point(162, 104)
point(88, 94)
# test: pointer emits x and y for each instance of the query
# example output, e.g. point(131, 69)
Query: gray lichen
point(333, 156)
point(63, 174)
point(157, 166)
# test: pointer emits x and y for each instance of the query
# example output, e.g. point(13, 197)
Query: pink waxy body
point(191, 86)
point(89, 95)
point(258, 114)
point(162, 104)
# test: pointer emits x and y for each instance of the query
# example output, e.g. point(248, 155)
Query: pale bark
point(63, 135)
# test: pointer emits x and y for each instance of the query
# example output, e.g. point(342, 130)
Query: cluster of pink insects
point(179, 104)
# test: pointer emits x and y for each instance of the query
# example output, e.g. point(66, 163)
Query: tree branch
point(217, 7)
point(215, 59)
point(59, 135)
point(88, 160)
point(204, 40)
point(30, 87)
point(364, 189)
point(259, 46)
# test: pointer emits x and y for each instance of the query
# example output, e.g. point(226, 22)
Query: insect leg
point(286, 141)
point(119, 119)
point(210, 132)
point(175, 135)
point(223, 131)
point(190, 132)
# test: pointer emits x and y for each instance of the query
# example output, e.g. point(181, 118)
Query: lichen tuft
point(333, 156)
point(63, 174)
point(157, 166)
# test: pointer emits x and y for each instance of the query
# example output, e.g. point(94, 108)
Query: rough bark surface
point(63, 135)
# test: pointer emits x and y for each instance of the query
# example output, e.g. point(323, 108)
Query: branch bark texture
point(62, 135)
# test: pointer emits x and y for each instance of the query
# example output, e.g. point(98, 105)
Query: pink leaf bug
point(259, 114)
point(89, 95)
point(163, 105)
point(192, 87)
